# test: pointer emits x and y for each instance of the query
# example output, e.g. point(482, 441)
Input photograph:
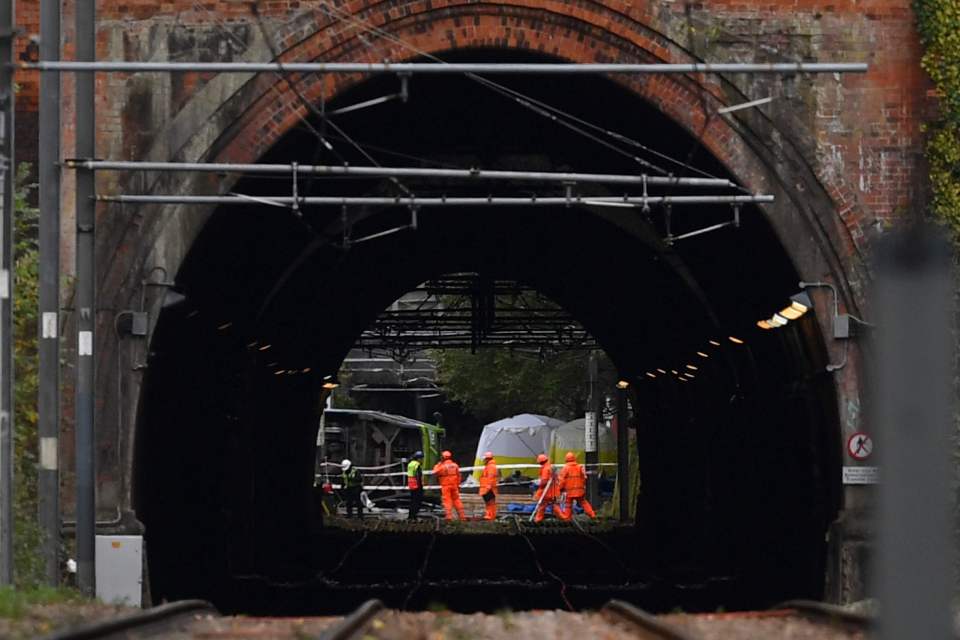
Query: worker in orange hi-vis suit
point(573, 479)
point(448, 473)
point(547, 490)
point(488, 486)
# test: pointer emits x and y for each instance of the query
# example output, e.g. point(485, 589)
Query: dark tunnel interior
point(739, 466)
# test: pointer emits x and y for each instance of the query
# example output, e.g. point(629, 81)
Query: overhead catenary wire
point(346, 16)
point(414, 172)
point(506, 68)
point(410, 201)
point(284, 74)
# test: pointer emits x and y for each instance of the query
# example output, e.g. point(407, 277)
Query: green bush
point(938, 22)
point(28, 562)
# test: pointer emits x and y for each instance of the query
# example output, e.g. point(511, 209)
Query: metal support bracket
point(296, 197)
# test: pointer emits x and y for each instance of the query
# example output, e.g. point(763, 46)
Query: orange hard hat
point(487, 455)
point(571, 457)
point(446, 455)
point(542, 458)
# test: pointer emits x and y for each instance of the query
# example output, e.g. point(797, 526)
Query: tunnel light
point(800, 303)
point(692, 368)
point(674, 372)
point(689, 376)
point(662, 371)
point(273, 364)
point(330, 382)
point(623, 384)
point(702, 354)
point(714, 343)
point(649, 375)
point(279, 372)
point(225, 325)
point(735, 340)
point(682, 379)
point(790, 313)
point(778, 320)
point(265, 347)
point(306, 370)
point(765, 324)
point(252, 345)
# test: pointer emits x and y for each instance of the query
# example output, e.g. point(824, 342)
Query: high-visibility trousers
point(587, 509)
point(490, 507)
point(451, 501)
point(549, 500)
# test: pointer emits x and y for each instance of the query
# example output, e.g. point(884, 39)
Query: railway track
point(156, 621)
point(798, 620)
point(191, 620)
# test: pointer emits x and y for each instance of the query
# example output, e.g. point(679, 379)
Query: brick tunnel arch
point(226, 119)
point(251, 431)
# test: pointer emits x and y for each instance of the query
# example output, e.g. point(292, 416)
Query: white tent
point(570, 437)
point(517, 440)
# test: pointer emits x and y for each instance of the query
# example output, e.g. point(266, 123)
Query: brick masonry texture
point(843, 154)
point(861, 135)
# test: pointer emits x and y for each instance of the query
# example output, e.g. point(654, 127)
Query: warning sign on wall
point(860, 446)
point(590, 432)
point(861, 475)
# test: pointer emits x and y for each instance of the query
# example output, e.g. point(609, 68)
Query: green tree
point(495, 383)
point(938, 22)
point(28, 563)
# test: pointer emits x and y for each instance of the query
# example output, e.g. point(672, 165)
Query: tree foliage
point(938, 22)
point(28, 563)
point(495, 383)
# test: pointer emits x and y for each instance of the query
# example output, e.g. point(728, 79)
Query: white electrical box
point(119, 569)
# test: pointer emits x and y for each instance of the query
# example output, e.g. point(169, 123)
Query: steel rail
point(352, 201)
point(651, 626)
point(354, 623)
point(112, 627)
point(446, 68)
point(399, 172)
point(833, 613)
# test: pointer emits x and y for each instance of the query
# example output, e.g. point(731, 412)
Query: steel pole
point(9, 169)
point(623, 454)
point(399, 172)
point(407, 201)
point(48, 419)
point(913, 412)
point(592, 427)
point(449, 68)
point(85, 301)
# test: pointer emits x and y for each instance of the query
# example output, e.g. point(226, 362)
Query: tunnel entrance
point(739, 465)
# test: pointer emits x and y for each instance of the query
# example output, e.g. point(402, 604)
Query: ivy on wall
point(938, 22)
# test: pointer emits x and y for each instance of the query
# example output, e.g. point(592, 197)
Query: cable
point(544, 572)
point(254, 7)
point(352, 548)
point(423, 565)
point(521, 98)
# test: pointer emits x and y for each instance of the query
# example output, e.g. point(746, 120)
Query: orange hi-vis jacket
point(488, 478)
point(448, 473)
point(546, 473)
point(573, 480)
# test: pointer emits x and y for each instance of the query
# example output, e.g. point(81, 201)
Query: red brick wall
point(28, 21)
point(866, 142)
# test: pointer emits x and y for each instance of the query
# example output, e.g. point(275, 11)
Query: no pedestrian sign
point(860, 446)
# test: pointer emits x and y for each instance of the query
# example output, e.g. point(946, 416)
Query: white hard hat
point(346, 464)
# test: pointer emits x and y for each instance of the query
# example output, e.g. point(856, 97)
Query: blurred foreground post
point(913, 409)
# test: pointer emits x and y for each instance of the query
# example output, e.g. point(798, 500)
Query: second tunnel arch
point(257, 251)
